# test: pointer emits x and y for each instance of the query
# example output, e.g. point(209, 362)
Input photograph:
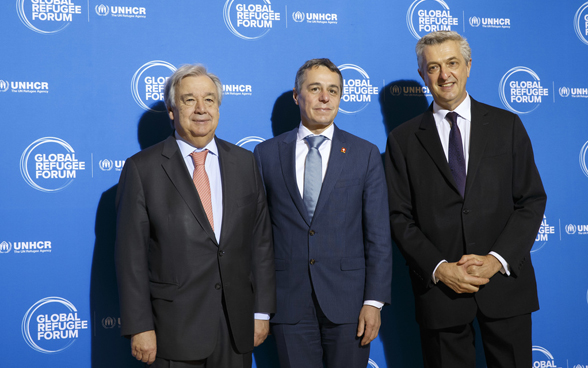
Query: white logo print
point(102, 10)
point(153, 85)
point(52, 325)
point(57, 170)
point(250, 21)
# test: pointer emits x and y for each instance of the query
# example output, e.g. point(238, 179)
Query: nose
point(199, 107)
point(444, 73)
point(324, 96)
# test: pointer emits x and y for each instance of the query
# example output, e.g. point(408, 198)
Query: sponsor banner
point(24, 86)
point(252, 19)
point(521, 91)
point(542, 358)
point(50, 164)
point(148, 83)
point(426, 16)
point(26, 247)
point(121, 11)
point(485, 22)
point(357, 89)
point(49, 16)
point(581, 23)
point(52, 325)
point(314, 18)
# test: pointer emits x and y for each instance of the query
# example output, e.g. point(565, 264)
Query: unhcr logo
point(102, 10)
point(298, 16)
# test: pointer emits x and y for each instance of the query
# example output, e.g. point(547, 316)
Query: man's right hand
point(144, 346)
point(457, 278)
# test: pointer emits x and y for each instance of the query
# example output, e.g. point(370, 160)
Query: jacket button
point(465, 212)
point(221, 253)
point(311, 232)
point(217, 286)
point(311, 262)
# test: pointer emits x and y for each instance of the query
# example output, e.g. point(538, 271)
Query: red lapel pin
point(343, 150)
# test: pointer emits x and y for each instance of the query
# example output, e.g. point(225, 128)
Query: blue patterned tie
point(456, 157)
point(313, 174)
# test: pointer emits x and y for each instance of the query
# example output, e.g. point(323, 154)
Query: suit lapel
point(478, 138)
point(337, 161)
point(227, 169)
point(176, 170)
point(429, 138)
point(287, 151)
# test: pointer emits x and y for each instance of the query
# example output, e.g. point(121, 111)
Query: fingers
point(369, 324)
point(261, 331)
point(144, 346)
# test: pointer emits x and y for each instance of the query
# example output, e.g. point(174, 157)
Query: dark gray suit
point(501, 212)
point(172, 273)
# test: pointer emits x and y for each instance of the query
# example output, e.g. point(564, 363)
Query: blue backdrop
point(81, 89)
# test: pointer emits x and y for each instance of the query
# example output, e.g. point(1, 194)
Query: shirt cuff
point(261, 316)
point(505, 270)
point(436, 280)
point(374, 303)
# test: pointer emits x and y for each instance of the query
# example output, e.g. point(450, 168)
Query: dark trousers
point(316, 342)
point(224, 354)
point(507, 344)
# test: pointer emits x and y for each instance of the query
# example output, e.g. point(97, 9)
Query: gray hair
point(315, 63)
point(439, 37)
point(188, 70)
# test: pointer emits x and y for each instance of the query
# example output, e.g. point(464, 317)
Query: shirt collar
point(303, 132)
point(186, 148)
point(464, 110)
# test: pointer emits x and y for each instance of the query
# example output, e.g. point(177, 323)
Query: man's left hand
point(261, 331)
point(369, 324)
point(490, 265)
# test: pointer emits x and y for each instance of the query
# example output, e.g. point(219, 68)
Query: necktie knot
point(315, 141)
point(199, 158)
point(452, 117)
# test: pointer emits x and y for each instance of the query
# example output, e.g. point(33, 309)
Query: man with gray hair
point(466, 202)
point(194, 255)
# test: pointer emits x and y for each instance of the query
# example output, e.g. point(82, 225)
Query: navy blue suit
point(344, 254)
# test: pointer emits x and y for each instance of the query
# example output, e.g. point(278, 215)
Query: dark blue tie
point(313, 173)
point(456, 157)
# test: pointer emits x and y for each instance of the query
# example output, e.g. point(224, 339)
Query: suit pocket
point(161, 290)
point(348, 264)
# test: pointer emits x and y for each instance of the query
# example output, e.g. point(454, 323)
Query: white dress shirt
point(302, 149)
point(464, 123)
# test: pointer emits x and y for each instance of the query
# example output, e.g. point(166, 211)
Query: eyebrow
point(329, 86)
point(191, 94)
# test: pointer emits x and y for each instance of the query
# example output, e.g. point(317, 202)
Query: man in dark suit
point(194, 256)
point(326, 192)
point(466, 204)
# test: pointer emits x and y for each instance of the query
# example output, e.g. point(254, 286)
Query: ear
point(421, 74)
point(295, 95)
point(469, 67)
point(170, 113)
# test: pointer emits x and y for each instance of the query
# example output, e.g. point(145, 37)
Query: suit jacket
point(172, 273)
point(502, 211)
point(346, 248)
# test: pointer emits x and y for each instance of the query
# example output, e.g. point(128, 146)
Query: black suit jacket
point(172, 273)
point(502, 211)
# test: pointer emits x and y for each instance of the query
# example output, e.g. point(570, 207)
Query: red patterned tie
point(202, 184)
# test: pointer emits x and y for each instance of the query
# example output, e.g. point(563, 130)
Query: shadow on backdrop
point(285, 117)
point(400, 332)
point(285, 114)
point(401, 101)
point(109, 349)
